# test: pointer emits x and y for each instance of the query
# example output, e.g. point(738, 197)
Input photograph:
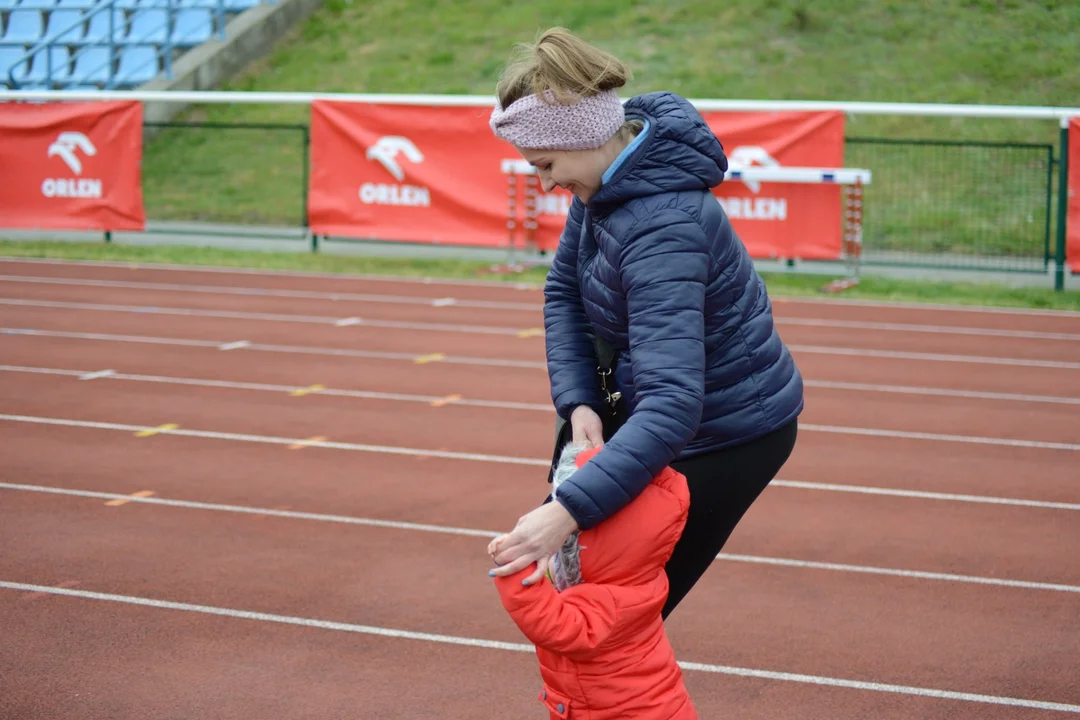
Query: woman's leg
point(723, 484)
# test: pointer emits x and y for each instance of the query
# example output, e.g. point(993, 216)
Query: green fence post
point(304, 189)
point(1063, 206)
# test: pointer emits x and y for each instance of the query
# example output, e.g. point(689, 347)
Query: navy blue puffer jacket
point(659, 273)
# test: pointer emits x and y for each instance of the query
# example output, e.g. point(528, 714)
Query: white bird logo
point(746, 156)
point(386, 150)
point(65, 146)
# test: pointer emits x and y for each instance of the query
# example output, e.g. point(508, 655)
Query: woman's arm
point(664, 267)
point(571, 358)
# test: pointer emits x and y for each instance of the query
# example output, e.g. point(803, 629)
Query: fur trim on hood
point(566, 563)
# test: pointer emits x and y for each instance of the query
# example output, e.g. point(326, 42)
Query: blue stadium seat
point(8, 4)
point(138, 65)
point(92, 65)
point(24, 26)
point(97, 27)
point(194, 26)
point(78, 4)
point(62, 18)
point(8, 57)
point(149, 26)
point(239, 5)
point(39, 67)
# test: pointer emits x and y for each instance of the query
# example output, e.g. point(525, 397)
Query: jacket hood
point(679, 153)
point(632, 546)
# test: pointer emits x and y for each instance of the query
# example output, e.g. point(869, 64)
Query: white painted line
point(925, 495)
point(270, 440)
point(521, 307)
point(503, 459)
point(538, 286)
point(98, 374)
point(246, 510)
point(340, 352)
point(916, 574)
point(428, 399)
point(275, 292)
point(270, 317)
point(235, 345)
point(345, 322)
point(216, 269)
point(471, 532)
point(934, 357)
point(944, 392)
point(940, 329)
point(903, 434)
point(528, 648)
point(266, 387)
point(929, 307)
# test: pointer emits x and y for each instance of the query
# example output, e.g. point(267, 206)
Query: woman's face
point(578, 171)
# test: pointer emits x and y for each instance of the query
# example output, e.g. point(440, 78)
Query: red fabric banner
point(71, 166)
point(433, 174)
point(1072, 224)
point(775, 219)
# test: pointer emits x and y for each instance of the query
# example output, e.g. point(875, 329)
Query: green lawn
point(779, 284)
point(954, 51)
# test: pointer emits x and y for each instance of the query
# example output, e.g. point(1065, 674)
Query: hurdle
point(522, 214)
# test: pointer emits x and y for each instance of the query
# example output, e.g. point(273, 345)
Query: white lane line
point(943, 392)
point(933, 357)
point(528, 648)
point(270, 440)
point(931, 307)
point(521, 307)
point(223, 270)
point(497, 285)
point(938, 437)
point(234, 345)
point(472, 532)
point(269, 317)
point(939, 329)
point(427, 399)
point(340, 352)
point(275, 292)
point(534, 462)
point(265, 387)
point(924, 495)
point(870, 570)
point(527, 364)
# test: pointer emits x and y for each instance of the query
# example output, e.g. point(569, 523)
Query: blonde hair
point(566, 65)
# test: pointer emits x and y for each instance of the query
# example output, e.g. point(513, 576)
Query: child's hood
point(634, 544)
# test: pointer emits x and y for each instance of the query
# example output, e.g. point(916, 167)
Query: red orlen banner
point(415, 173)
point(1072, 224)
point(71, 166)
point(433, 174)
point(773, 219)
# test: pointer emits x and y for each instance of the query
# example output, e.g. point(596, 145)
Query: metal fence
point(956, 204)
point(932, 203)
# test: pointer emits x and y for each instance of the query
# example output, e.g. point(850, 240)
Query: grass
point(953, 51)
point(779, 284)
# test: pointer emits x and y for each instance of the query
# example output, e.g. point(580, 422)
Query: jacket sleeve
point(574, 622)
point(664, 268)
point(571, 359)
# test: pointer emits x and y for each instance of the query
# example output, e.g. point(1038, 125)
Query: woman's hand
point(535, 538)
point(587, 426)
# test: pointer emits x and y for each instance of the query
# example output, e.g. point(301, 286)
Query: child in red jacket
point(596, 620)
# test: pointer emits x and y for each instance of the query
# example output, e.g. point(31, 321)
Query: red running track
point(956, 602)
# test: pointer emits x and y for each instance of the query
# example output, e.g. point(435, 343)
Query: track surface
point(244, 495)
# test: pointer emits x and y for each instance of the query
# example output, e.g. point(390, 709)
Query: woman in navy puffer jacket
point(649, 262)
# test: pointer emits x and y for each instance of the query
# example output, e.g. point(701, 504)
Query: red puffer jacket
point(601, 643)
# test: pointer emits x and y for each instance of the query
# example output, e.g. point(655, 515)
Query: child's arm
point(573, 622)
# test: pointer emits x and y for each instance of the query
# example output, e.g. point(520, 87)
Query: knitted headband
point(531, 122)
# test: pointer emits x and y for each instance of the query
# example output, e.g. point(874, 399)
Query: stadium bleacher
point(103, 44)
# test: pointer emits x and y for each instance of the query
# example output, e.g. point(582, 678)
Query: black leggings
point(723, 484)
